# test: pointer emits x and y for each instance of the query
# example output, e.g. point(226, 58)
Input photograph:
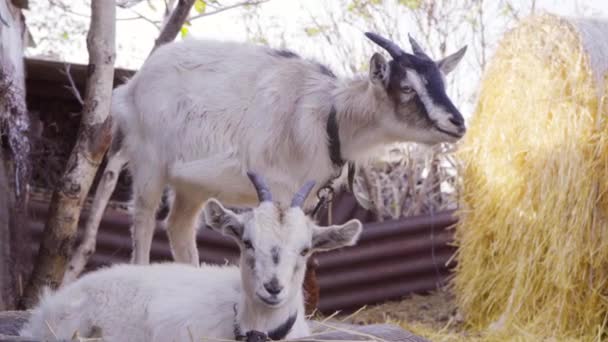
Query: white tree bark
point(100, 201)
point(93, 140)
point(116, 162)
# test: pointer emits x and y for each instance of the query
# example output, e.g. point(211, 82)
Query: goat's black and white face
point(275, 243)
point(415, 86)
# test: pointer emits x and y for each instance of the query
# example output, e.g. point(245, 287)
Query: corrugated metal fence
point(392, 259)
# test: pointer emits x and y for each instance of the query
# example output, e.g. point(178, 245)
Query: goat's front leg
point(147, 189)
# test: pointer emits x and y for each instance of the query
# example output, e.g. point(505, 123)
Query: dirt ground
point(434, 316)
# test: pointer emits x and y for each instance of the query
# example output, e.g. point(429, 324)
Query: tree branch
point(127, 3)
point(240, 4)
point(141, 16)
point(174, 24)
point(72, 86)
point(93, 140)
point(108, 181)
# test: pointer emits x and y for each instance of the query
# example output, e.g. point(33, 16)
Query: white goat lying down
point(199, 114)
point(177, 302)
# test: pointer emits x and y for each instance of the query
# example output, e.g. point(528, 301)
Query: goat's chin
point(271, 302)
point(438, 136)
point(447, 136)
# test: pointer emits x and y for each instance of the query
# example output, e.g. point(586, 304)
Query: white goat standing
point(200, 113)
point(176, 302)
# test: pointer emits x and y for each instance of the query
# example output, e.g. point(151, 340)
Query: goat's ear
point(222, 220)
point(332, 237)
point(378, 70)
point(449, 63)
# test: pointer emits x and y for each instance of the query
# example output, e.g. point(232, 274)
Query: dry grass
point(435, 311)
point(410, 180)
point(533, 230)
point(433, 316)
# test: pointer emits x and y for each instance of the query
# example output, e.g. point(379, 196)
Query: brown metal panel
point(379, 271)
point(355, 297)
point(397, 247)
point(409, 225)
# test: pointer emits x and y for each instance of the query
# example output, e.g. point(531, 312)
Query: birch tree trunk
point(93, 140)
point(116, 161)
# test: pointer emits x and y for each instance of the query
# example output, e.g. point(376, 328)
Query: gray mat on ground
point(11, 322)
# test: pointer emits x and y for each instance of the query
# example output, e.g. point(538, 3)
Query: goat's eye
point(305, 251)
point(247, 244)
point(407, 89)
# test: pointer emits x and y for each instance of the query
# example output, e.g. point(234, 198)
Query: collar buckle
point(253, 336)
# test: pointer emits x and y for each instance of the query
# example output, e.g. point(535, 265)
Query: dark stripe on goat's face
point(435, 87)
point(284, 53)
point(275, 252)
point(414, 109)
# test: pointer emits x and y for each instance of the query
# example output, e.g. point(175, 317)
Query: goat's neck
point(252, 315)
point(358, 112)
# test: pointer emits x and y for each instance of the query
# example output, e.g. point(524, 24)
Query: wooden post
point(14, 162)
point(311, 287)
point(7, 275)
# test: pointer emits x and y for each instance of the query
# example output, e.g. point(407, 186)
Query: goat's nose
point(457, 121)
point(273, 287)
point(462, 129)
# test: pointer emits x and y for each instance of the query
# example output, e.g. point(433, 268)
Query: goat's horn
point(393, 49)
point(260, 187)
point(416, 48)
point(300, 196)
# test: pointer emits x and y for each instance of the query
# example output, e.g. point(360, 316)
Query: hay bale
point(533, 230)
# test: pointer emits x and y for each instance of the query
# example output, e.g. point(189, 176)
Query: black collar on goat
point(335, 154)
point(325, 193)
point(279, 333)
point(333, 133)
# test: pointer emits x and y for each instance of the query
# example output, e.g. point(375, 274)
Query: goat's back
point(140, 303)
point(195, 99)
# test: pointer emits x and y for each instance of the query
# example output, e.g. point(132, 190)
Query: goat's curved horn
point(416, 48)
point(300, 196)
point(260, 187)
point(393, 49)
